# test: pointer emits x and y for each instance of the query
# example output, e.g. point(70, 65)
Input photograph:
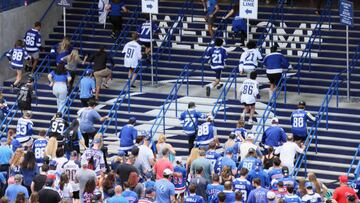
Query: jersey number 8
point(203, 130)
point(17, 55)
point(248, 89)
point(30, 41)
point(298, 122)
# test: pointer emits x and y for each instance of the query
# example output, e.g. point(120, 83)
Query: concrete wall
point(14, 23)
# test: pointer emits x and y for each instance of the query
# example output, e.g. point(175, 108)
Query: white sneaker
point(250, 121)
point(242, 116)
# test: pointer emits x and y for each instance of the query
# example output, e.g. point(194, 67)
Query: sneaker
point(113, 35)
point(242, 116)
point(207, 91)
point(106, 85)
point(133, 86)
point(250, 121)
point(219, 86)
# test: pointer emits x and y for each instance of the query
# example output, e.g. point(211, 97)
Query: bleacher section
point(335, 145)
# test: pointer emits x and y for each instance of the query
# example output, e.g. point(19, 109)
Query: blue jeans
point(60, 92)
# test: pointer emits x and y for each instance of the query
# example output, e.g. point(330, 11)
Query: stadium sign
point(346, 12)
point(64, 3)
point(150, 6)
point(249, 9)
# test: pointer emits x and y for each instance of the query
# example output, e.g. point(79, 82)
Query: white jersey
point(132, 52)
point(70, 168)
point(249, 60)
point(248, 90)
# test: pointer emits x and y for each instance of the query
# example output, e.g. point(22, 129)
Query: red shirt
point(342, 192)
point(160, 166)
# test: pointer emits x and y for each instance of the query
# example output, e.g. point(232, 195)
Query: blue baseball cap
point(88, 71)
point(229, 150)
point(53, 163)
point(121, 153)
point(132, 119)
point(3, 139)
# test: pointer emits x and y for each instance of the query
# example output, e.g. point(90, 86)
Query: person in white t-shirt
point(249, 58)
point(249, 90)
point(247, 145)
point(288, 151)
point(132, 56)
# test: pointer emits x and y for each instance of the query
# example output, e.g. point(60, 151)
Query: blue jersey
point(17, 56)
point(242, 185)
point(238, 24)
point(127, 137)
point(211, 6)
point(24, 130)
point(275, 174)
point(239, 132)
point(292, 199)
point(274, 136)
point(312, 198)
point(218, 165)
point(217, 56)
point(258, 195)
point(262, 175)
point(144, 31)
point(193, 198)
point(32, 40)
point(289, 181)
point(212, 190)
point(190, 123)
point(299, 122)
point(206, 134)
point(249, 163)
point(275, 63)
point(131, 196)
point(179, 180)
point(38, 148)
point(213, 156)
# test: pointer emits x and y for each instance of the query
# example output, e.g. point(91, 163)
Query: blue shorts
point(16, 68)
point(218, 73)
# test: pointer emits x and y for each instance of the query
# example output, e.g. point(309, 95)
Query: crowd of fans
point(51, 167)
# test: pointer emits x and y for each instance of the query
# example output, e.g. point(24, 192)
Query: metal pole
point(347, 64)
point(64, 13)
point(151, 51)
point(247, 30)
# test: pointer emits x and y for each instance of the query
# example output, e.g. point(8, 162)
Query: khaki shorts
point(34, 55)
point(99, 75)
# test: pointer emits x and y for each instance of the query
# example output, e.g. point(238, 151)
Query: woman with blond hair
point(61, 49)
point(72, 60)
point(162, 145)
point(194, 154)
point(15, 162)
point(51, 147)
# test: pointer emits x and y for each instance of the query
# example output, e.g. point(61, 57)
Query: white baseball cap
point(250, 136)
point(167, 172)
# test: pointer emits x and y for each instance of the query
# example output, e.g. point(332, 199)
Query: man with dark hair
point(259, 193)
point(212, 154)
point(203, 163)
point(200, 182)
point(193, 197)
point(165, 190)
point(275, 173)
point(213, 189)
point(239, 197)
point(242, 184)
point(217, 56)
point(48, 193)
point(132, 51)
point(221, 197)
point(299, 120)
point(190, 119)
point(287, 179)
point(249, 58)
point(57, 128)
point(290, 196)
point(32, 41)
point(38, 147)
point(249, 91)
point(131, 196)
point(128, 135)
point(149, 195)
point(125, 168)
point(39, 181)
point(88, 116)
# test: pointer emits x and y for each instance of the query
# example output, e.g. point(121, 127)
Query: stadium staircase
point(335, 145)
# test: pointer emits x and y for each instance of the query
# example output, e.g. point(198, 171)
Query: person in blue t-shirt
point(16, 57)
point(190, 118)
point(274, 136)
point(59, 79)
point(275, 64)
point(275, 173)
point(213, 189)
point(88, 116)
point(239, 26)
point(212, 8)
point(13, 189)
point(258, 172)
point(242, 184)
point(165, 190)
point(6, 155)
point(117, 198)
point(250, 161)
point(87, 88)
point(228, 161)
point(128, 136)
point(131, 196)
point(287, 179)
point(291, 197)
point(61, 50)
point(115, 16)
point(217, 56)
point(206, 133)
point(299, 120)
point(258, 195)
point(193, 197)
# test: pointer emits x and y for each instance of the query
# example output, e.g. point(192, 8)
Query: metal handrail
point(316, 34)
point(165, 44)
point(352, 164)
point(125, 92)
point(9, 117)
point(47, 11)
